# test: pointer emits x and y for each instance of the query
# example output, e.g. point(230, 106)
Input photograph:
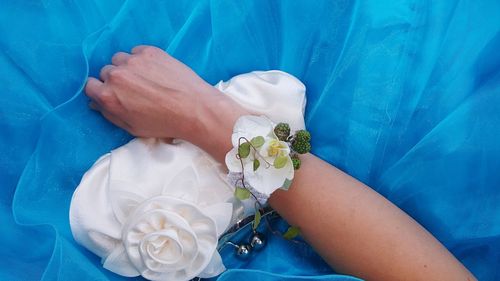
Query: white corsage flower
point(259, 155)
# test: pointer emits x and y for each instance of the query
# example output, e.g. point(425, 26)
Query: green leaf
point(244, 149)
point(256, 164)
point(257, 219)
point(280, 162)
point(286, 184)
point(257, 141)
point(241, 193)
point(291, 233)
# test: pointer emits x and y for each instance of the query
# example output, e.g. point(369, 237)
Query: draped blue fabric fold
point(403, 95)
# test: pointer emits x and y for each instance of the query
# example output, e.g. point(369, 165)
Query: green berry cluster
point(282, 131)
point(303, 135)
point(301, 142)
point(295, 161)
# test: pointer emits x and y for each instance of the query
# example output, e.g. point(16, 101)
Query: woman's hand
point(151, 94)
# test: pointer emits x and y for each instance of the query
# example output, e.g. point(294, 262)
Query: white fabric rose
point(154, 209)
point(168, 239)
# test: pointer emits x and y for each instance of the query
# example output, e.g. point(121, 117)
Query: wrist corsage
point(264, 156)
point(263, 159)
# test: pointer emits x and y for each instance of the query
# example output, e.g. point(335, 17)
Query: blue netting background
point(403, 95)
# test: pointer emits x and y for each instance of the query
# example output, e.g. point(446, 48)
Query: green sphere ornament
point(282, 131)
point(303, 135)
point(301, 146)
point(296, 161)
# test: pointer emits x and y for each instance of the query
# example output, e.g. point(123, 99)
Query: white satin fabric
point(275, 94)
point(156, 209)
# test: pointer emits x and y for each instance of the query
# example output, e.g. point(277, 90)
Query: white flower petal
point(214, 268)
point(162, 250)
point(203, 259)
point(264, 149)
point(119, 263)
point(183, 186)
point(124, 203)
point(249, 126)
point(101, 243)
point(99, 219)
point(170, 238)
point(221, 214)
point(267, 180)
point(232, 162)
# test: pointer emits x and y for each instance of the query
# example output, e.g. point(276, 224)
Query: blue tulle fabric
point(403, 95)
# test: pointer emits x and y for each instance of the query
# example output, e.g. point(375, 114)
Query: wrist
point(215, 118)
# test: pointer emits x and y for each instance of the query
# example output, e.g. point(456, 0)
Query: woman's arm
point(354, 229)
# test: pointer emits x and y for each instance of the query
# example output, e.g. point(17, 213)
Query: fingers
point(104, 75)
point(93, 89)
point(103, 98)
point(110, 116)
point(140, 48)
point(120, 58)
point(148, 51)
point(94, 106)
